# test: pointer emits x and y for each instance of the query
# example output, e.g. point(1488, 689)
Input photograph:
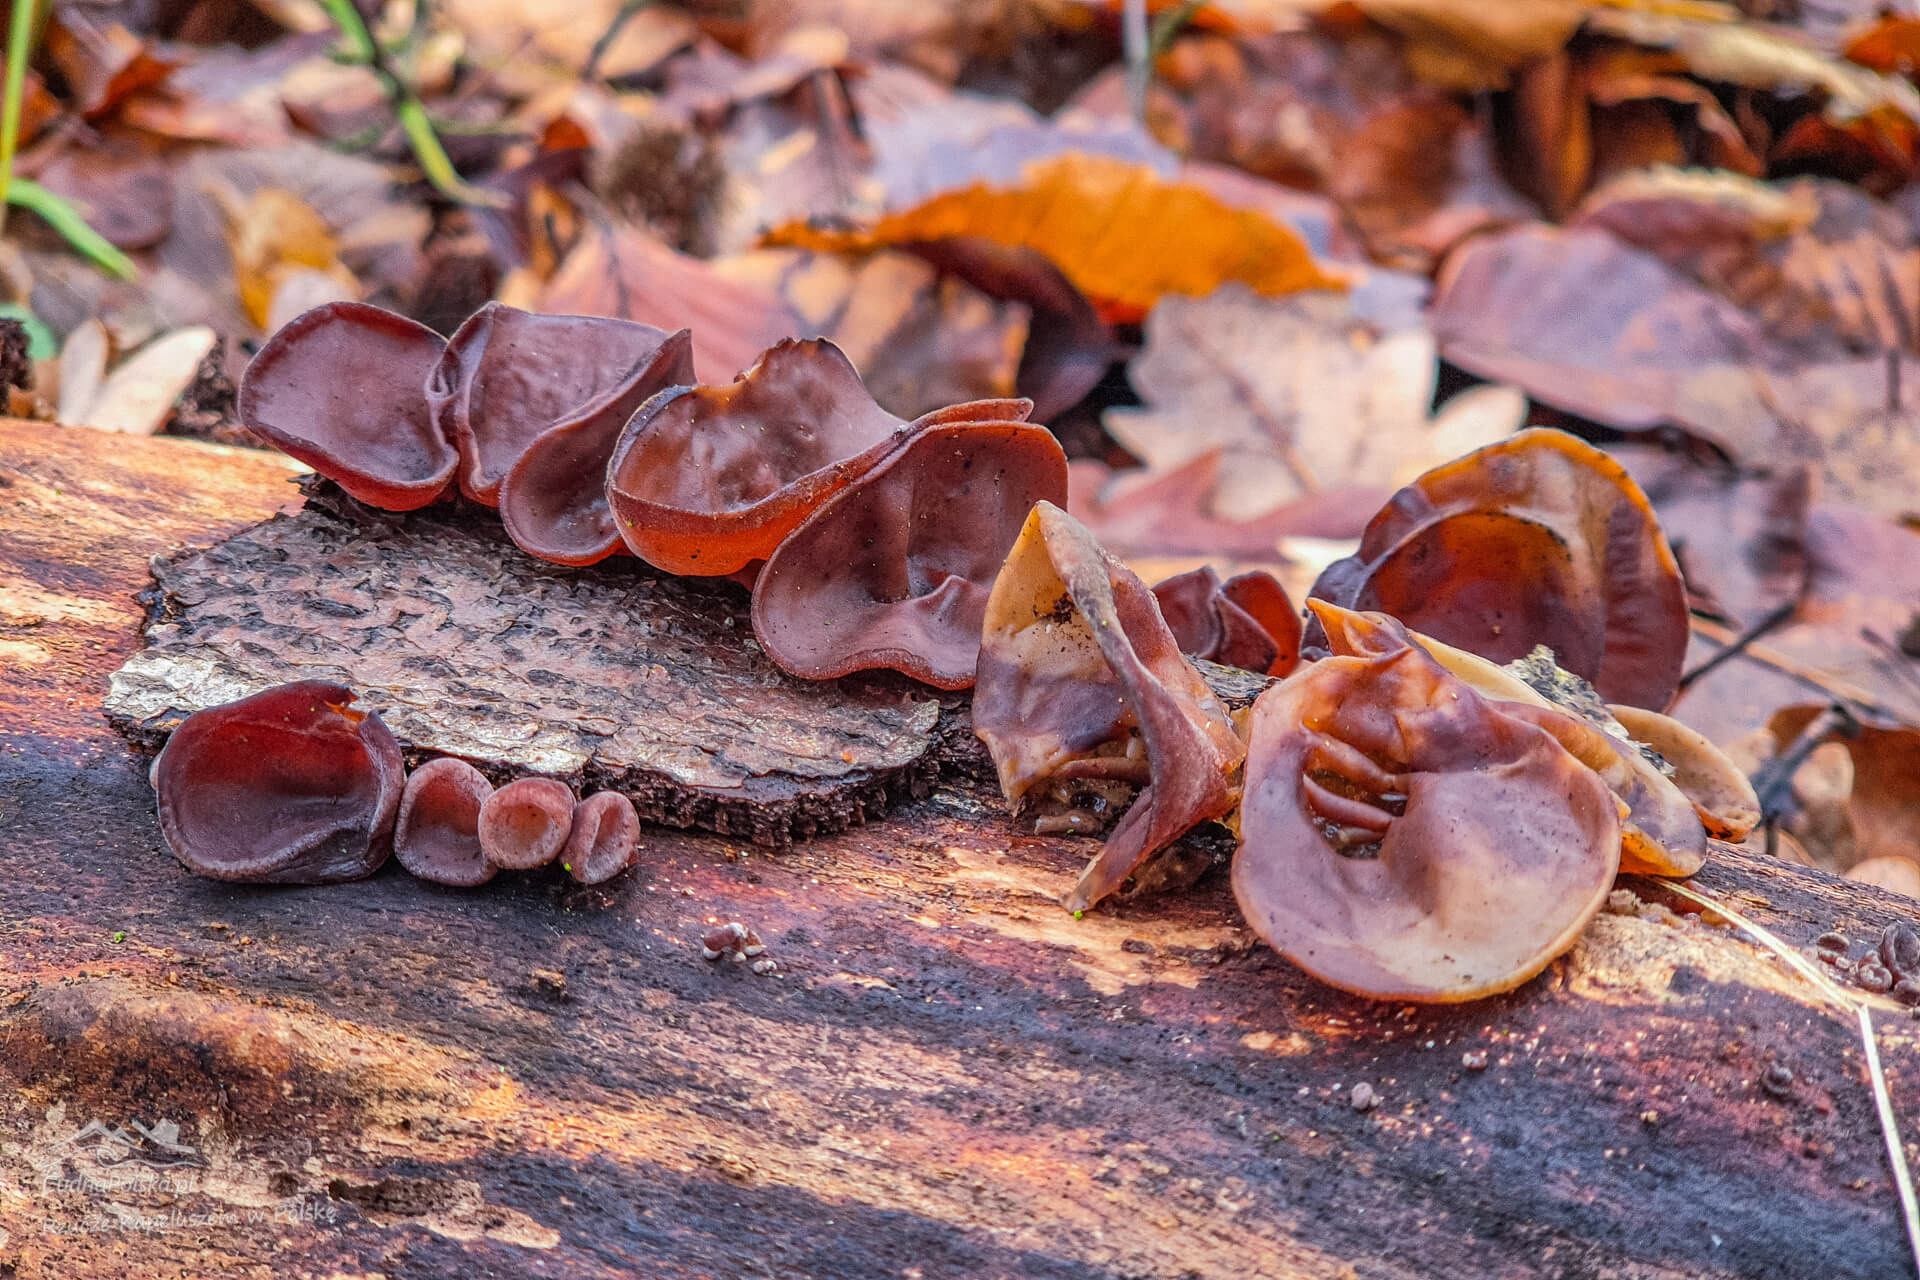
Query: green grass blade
point(65, 219)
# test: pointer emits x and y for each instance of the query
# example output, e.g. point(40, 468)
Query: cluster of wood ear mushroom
point(1415, 820)
point(294, 785)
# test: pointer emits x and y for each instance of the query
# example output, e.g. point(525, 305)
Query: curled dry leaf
point(340, 389)
point(138, 397)
point(1122, 234)
point(895, 570)
point(708, 479)
point(437, 835)
point(1080, 679)
point(1539, 540)
point(1303, 397)
point(1404, 838)
point(289, 786)
point(1246, 622)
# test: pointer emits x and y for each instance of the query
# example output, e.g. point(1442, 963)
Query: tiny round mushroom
point(437, 836)
point(526, 823)
point(605, 839)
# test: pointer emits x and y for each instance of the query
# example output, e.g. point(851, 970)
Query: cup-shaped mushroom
point(289, 786)
point(894, 570)
point(554, 499)
point(437, 836)
point(340, 388)
point(1660, 832)
point(708, 479)
point(1077, 670)
point(510, 376)
point(1539, 539)
point(1721, 794)
point(1401, 837)
point(1245, 622)
point(526, 823)
point(605, 839)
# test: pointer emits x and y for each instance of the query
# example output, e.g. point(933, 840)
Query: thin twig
point(1773, 780)
point(628, 8)
point(1767, 622)
point(1832, 689)
point(1136, 49)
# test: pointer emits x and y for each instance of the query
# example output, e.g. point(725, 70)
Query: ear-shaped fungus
point(1661, 833)
point(605, 839)
point(510, 376)
point(289, 786)
point(1721, 794)
point(708, 479)
point(339, 388)
point(554, 499)
point(526, 823)
point(437, 836)
point(1404, 838)
point(895, 570)
point(1540, 539)
point(1077, 672)
point(1245, 622)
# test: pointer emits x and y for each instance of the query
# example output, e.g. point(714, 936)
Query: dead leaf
point(1883, 800)
point(1301, 395)
point(137, 397)
point(121, 188)
point(1471, 46)
point(275, 236)
point(1122, 235)
point(919, 339)
point(83, 368)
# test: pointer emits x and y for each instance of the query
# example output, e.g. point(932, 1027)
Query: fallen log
point(946, 1074)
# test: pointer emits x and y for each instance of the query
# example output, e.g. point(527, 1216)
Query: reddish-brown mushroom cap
point(554, 499)
point(707, 479)
point(605, 839)
point(1540, 539)
point(339, 388)
point(894, 571)
point(1403, 838)
point(1660, 832)
point(1074, 660)
point(1246, 622)
point(510, 376)
point(289, 786)
point(437, 835)
point(526, 823)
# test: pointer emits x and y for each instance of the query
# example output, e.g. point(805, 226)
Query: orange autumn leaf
point(1121, 233)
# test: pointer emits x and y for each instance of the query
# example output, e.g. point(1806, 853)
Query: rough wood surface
point(947, 1076)
point(637, 681)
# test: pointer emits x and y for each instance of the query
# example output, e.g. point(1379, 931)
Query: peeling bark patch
point(612, 675)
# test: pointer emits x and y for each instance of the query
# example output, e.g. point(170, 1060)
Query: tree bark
point(947, 1075)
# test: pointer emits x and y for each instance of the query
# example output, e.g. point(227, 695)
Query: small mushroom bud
point(605, 839)
point(289, 786)
point(525, 823)
point(728, 937)
point(437, 836)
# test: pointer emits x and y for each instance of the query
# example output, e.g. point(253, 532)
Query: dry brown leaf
point(1302, 395)
point(273, 236)
point(138, 396)
point(1587, 324)
point(1883, 798)
point(1471, 45)
point(83, 368)
point(1123, 235)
